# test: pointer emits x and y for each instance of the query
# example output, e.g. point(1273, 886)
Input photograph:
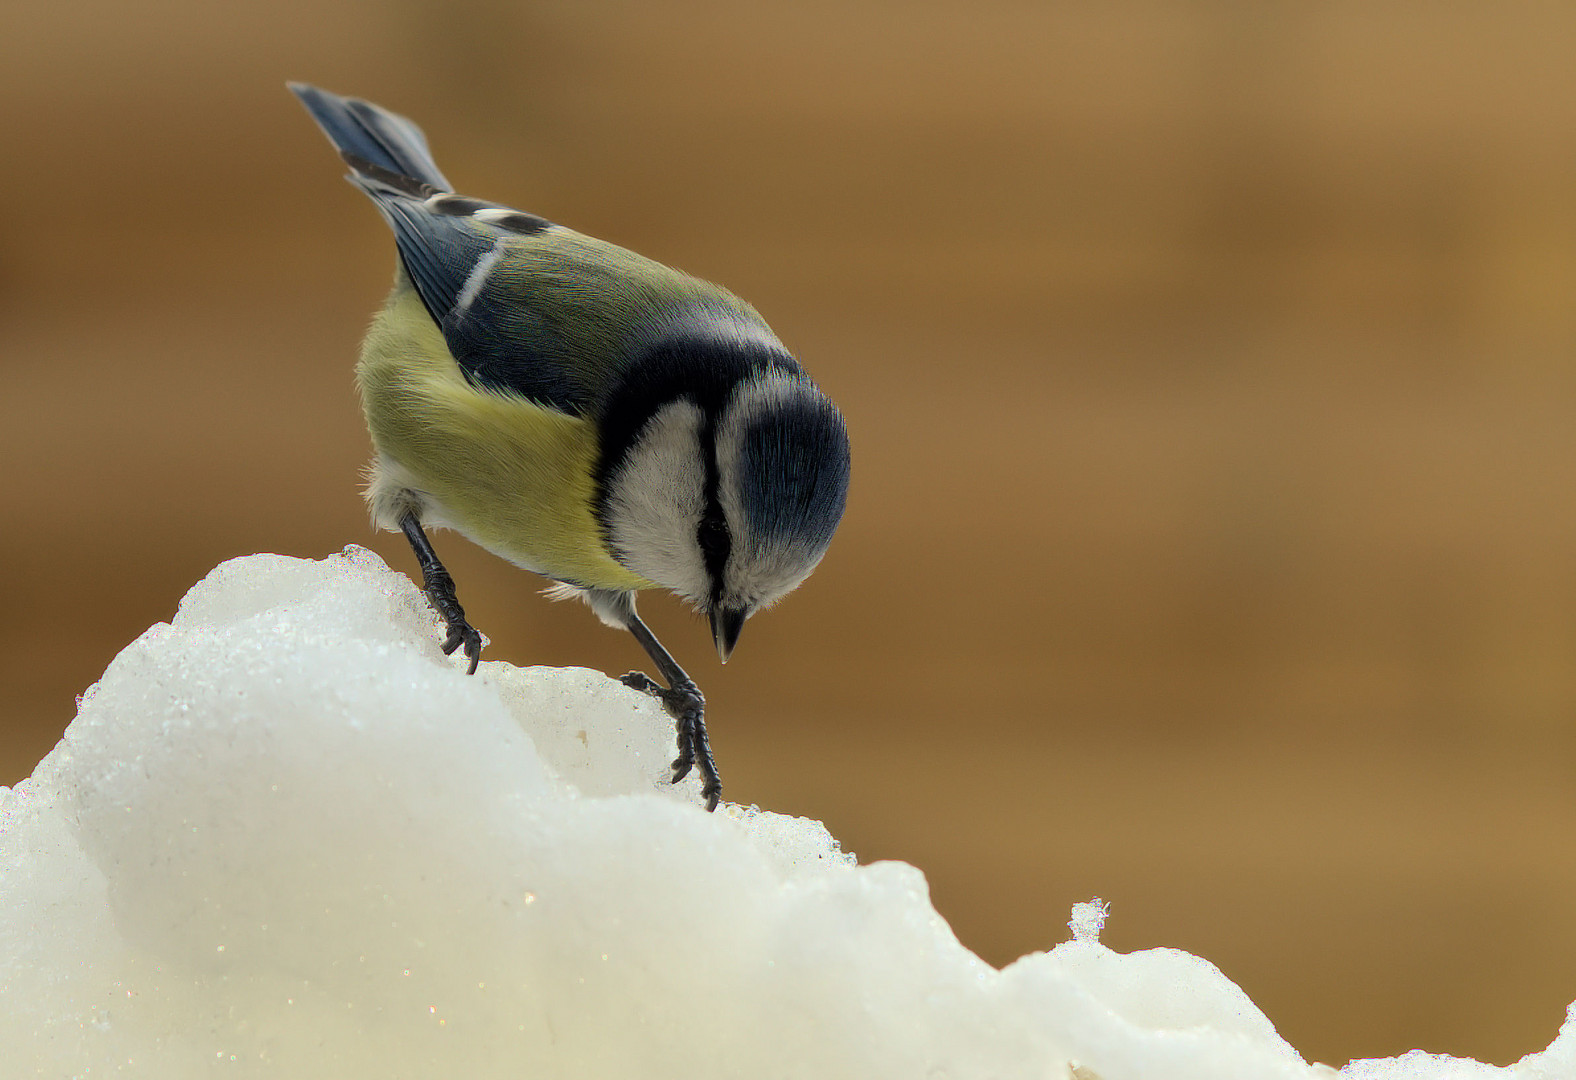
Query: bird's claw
point(440, 594)
point(462, 633)
point(687, 706)
point(639, 680)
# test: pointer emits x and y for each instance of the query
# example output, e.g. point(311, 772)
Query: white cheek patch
point(655, 502)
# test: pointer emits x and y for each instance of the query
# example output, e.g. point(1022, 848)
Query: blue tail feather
point(364, 131)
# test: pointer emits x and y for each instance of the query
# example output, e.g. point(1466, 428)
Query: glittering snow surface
point(287, 837)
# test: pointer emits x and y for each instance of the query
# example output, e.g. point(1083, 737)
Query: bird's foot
point(439, 587)
point(688, 708)
point(462, 635)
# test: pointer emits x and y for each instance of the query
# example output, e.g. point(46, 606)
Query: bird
point(588, 414)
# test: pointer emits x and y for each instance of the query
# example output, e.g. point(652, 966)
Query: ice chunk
point(1088, 920)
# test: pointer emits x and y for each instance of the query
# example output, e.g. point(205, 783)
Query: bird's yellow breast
point(513, 476)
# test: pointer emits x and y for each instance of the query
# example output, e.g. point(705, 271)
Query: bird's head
point(729, 497)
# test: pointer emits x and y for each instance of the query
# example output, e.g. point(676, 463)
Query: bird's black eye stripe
point(712, 535)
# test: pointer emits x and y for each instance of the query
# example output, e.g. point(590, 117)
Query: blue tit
point(585, 413)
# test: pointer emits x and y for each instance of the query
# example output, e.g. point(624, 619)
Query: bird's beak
point(725, 626)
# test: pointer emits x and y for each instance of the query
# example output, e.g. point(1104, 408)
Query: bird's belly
point(513, 476)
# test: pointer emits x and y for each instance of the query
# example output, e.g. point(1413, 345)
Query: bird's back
point(562, 317)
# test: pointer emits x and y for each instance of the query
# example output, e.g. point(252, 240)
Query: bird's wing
point(532, 308)
point(558, 316)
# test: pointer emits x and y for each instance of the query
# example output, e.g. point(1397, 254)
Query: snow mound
point(286, 837)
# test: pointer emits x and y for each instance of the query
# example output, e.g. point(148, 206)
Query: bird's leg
point(439, 587)
point(683, 700)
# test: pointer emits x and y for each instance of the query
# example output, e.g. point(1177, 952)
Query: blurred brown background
point(1212, 372)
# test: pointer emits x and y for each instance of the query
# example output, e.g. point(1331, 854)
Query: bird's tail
point(368, 135)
